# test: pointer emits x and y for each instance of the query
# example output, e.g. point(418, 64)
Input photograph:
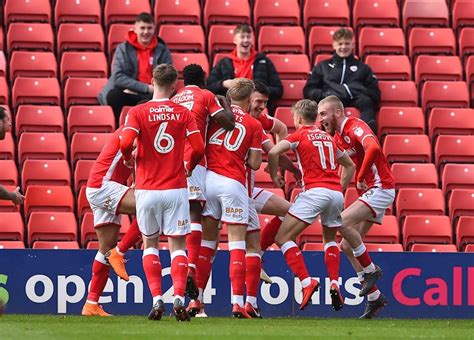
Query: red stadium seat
point(376, 13)
point(56, 245)
point(80, 37)
point(470, 75)
point(466, 42)
point(264, 219)
point(310, 246)
point(48, 199)
point(390, 67)
point(7, 147)
point(415, 175)
point(292, 91)
point(8, 206)
point(117, 34)
point(85, 11)
point(83, 65)
point(419, 202)
point(29, 36)
point(291, 66)
point(461, 203)
point(39, 118)
point(36, 91)
point(313, 233)
point(320, 40)
point(33, 64)
point(82, 91)
point(450, 121)
point(45, 172)
point(39, 145)
point(12, 245)
point(284, 114)
point(326, 12)
point(27, 11)
point(124, 10)
point(11, 226)
point(9, 173)
point(434, 248)
point(381, 40)
point(229, 12)
point(82, 203)
point(52, 226)
point(262, 178)
point(444, 94)
point(124, 112)
point(90, 119)
point(462, 14)
point(447, 68)
point(183, 38)
point(407, 148)
point(177, 12)
point(3, 64)
point(81, 173)
point(454, 149)
point(387, 232)
point(281, 39)
point(1, 37)
point(457, 176)
point(276, 12)
point(400, 120)
point(425, 13)
point(426, 229)
point(4, 91)
point(431, 41)
point(352, 112)
point(221, 39)
point(384, 247)
point(465, 231)
point(88, 233)
point(321, 57)
point(398, 93)
point(87, 145)
point(181, 60)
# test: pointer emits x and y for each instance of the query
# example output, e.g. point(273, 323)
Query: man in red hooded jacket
point(134, 60)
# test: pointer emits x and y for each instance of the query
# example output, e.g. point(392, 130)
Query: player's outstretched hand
point(362, 186)
point(279, 181)
point(17, 197)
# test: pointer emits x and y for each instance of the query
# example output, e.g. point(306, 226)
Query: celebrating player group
point(184, 166)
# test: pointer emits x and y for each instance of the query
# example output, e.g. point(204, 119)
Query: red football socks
point(252, 278)
point(179, 271)
point(294, 259)
point(100, 275)
point(268, 233)
point(332, 260)
point(152, 268)
point(131, 237)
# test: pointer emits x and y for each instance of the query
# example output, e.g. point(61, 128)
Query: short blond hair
point(241, 89)
point(343, 33)
point(335, 102)
point(165, 75)
point(307, 109)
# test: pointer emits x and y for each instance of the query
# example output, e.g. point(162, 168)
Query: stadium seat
point(82, 203)
point(8, 206)
point(117, 34)
point(27, 11)
point(414, 175)
point(470, 74)
point(7, 147)
point(424, 13)
point(32, 64)
point(398, 93)
point(83, 65)
point(462, 14)
point(11, 226)
point(87, 145)
point(281, 39)
point(291, 66)
point(292, 92)
point(36, 91)
point(381, 40)
point(2, 43)
point(464, 231)
point(434, 248)
point(262, 178)
point(313, 233)
point(9, 173)
point(447, 68)
point(39, 118)
point(56, 245)
point(48, 199)
point(81, 173)
point(326, 12)
point(387, 232)
point(352, 112)
point(41, 145)
point(45, 172)
point(407, 148)
point(88, 233)
point(375, 13)
point(419, 202)
point(450, 121)
point(30, 36)
point(221, 39)
point(426, 229)
point(320, 40)
point(82, 91)
point(444, 94)
point(12, 245)
point(311, 246)
point(431, 41)
point(124, 11)
point(457, 176)
point(124, 112)
point(390, 67)
point(454, 149)
point(469, 248)
point(78, 11)
point(384, 247)
point(80, 37)
point(400, 120)
point(52, 226)
point(228, 12)
point(466, 42)
point(276, 12)
point(3, 64)
point(90, 119)
point(183, 38)
point(4, 91)
point(461, 203)
point(177, 12)
point(284, 114)
point(181, 60)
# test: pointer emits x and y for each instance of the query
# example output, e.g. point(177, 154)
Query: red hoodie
point(144, 57)
point(243, 68)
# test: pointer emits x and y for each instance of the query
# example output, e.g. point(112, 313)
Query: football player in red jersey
point(161, 128)
point(375, 185)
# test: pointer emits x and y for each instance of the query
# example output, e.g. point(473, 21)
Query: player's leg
point(277, 207)
point(193, 246)
point(179, 272)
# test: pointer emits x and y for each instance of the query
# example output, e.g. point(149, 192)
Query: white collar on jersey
point(191, 85)
point(343, 124)
point(159, 100)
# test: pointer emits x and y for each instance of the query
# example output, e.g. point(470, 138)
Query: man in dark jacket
point(345, 77)
point(245, 62)
point(134, 61)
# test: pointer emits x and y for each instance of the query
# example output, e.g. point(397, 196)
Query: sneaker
point(240, 312)
point(252, 311)
point(117, 262)
point(337, 300)
point(370, 279)
point(264, 277)
point(157, 311)
point(191, 287)
point(180, 311)
point(308, 293)
point(201, 314)
point(372, 307)
point(91, 309)
point(195, 307)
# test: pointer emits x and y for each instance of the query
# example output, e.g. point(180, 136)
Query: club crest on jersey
point(353, 68)
point(347, 139)
point(358, 131)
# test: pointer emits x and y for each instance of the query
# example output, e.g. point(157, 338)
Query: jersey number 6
point(164, 142)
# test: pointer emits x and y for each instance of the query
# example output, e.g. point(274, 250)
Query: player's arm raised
point(225, 118)
point(279, 129)
point(284, 161)
point(273, 160)
point(372, 151)
point(348, 169)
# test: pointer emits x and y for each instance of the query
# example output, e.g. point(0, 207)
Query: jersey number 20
point(217, 138)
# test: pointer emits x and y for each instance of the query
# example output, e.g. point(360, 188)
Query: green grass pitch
point(133, 327)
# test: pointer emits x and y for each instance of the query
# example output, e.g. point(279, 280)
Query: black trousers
point(366, 108)
point(117, 99)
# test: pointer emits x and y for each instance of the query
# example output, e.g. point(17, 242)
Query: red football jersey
point(203, 104)
point(109, 165)
point(226, 151)
point(351, 138)
point(250, 171)
point(317, 154)
point(162, 128)
point(266, 121)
